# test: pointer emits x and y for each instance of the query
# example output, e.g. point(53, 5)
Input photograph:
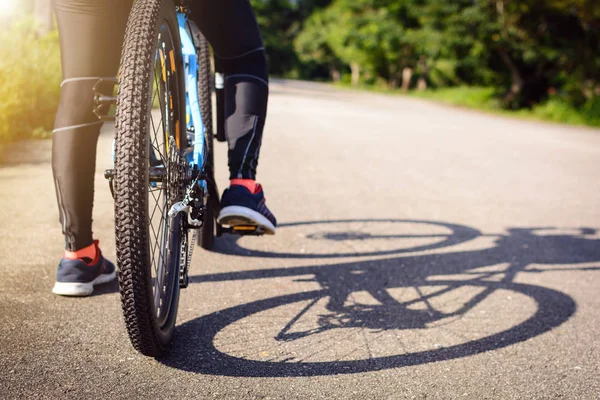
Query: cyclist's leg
point(91, 35)
point(231, 28)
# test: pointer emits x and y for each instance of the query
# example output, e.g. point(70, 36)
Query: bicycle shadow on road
point(307, 333)
point(447, 235)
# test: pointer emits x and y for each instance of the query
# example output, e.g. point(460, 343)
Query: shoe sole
point(243, 216)
point(79, 289)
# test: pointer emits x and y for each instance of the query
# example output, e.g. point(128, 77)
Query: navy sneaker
point(78, 278)
point(240, 207)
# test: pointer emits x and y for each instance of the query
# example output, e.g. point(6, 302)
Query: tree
point(276, 19)
point(526, 50)
point(312, 44)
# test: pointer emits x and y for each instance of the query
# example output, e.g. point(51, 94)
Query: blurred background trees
point(535, 57)
point(527, 51)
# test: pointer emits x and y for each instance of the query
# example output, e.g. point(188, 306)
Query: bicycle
point(163, 177)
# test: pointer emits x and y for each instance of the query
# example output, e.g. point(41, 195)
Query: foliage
point(542, 56)
point(554, 109)
point(467, 96)
point(30, 86)
point(528, 51)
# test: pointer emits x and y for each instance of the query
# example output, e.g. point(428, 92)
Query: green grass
point(554, 109)
point(473, 97)
point(30, 86)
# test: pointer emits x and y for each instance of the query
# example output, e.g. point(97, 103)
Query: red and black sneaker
point(241, 207)
point(78, 276)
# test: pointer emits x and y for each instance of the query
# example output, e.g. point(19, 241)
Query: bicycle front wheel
point(150, 174)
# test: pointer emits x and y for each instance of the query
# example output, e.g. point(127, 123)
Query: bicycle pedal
point(109, 175)
point(246, 230)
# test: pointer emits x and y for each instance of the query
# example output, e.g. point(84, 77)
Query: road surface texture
point(423, 252)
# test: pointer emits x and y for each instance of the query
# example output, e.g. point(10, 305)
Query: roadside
point(375, 195)
point(484, 99)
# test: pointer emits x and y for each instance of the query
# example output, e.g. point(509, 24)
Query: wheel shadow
point(521, 250)
point(230, 244)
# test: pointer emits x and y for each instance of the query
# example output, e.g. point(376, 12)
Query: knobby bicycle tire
point(149, 330)
point(207, 232)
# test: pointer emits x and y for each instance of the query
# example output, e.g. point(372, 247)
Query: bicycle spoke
point(156, 128)
point(153, 245)
point(157, 205)
point(157, 240)
point(160, 266)
point(158, 263)
point(161, 102)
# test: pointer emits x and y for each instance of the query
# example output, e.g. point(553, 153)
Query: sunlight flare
point(8, 7)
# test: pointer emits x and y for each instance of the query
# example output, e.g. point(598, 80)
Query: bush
point(443, 74)
point(555, 109)
point(475, 97)
point(30, 86)
point(591, 111)
point(558, 110)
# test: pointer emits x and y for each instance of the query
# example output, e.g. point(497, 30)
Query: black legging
point(91, 34)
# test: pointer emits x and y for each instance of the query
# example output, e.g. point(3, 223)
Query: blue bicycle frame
point(194, 121)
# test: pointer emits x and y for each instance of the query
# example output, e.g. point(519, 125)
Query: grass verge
point(554, 109)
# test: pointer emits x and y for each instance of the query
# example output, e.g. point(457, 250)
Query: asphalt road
point(423, 252)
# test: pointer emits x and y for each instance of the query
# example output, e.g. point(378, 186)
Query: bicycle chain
point(183, 174)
